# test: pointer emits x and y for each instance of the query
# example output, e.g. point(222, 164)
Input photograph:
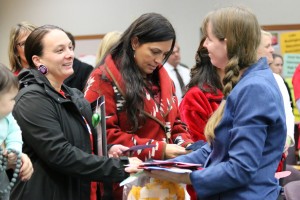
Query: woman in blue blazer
point(246, 134)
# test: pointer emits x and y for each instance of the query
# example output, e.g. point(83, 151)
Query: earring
point(43, 69)
point(133, 52)
point(133, 49)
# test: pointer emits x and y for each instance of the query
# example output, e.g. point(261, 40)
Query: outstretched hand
point(174, 150)
point(134, 163)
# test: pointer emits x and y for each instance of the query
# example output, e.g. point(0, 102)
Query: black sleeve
point(43, 135)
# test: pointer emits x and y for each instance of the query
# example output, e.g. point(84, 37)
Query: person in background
point(266, 50)
point(10, 133)
point(179, 73)
point(277, 68)
point(141, 105)
point(203, 97)
point(204, 94)
point(296, 86)
point(275, 61)
point(81, 71)
point(17, 38)
point(106, 44)
point(56, 123)
point(246, 133)
point(277, 64)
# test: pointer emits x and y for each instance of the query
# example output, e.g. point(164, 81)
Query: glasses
point(21, 44)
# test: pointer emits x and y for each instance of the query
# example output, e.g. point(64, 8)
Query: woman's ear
point(36, 60)
point(134, 43)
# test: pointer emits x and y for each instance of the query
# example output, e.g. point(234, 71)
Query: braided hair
point(241, 30)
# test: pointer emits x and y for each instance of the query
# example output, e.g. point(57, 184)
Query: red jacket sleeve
point(296, 83)
point(195, 110)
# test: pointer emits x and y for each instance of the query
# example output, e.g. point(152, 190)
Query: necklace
point(3, 166)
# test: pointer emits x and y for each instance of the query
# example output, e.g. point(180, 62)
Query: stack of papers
point(171, 166)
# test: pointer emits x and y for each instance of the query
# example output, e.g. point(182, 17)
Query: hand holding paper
point(139, 147)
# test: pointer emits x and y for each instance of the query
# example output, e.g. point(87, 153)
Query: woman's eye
point(155, 52)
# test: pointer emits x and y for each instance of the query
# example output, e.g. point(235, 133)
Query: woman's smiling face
point(57, 56)
point(217, 49)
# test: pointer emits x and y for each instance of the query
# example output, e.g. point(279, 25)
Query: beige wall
point(82, 17)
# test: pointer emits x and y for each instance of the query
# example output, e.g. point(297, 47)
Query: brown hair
point(16, 32)
point(242, 32)
point(34, 42)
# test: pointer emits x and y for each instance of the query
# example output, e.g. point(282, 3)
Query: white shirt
point(290, 118)
point(185, 75)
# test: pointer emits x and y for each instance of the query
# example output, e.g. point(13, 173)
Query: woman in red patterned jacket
point(141, 105)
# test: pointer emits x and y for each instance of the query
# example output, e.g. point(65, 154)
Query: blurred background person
point(179, 73)
point(277, 64)
point(203, 97)
point(17, 38)
point(81, 73)
point(106, 44)
point(277, 68)
point(204, 94)
point(296, 86)
point(266, 49)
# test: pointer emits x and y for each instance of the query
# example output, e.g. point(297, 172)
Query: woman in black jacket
point(56, 124)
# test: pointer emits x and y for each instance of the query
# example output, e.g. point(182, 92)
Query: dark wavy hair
point(149, 27)
point(204, 74)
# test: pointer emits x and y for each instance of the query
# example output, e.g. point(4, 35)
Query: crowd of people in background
point(232, 111)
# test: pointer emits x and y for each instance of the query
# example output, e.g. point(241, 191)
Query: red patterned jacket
point(163, 124)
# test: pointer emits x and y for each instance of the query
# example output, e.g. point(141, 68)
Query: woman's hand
point(116, 150)
point(134, 162)
point(174, 150)
point(26, 169)
point(287, 145)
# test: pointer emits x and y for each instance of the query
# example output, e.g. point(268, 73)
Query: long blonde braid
point(232, 74)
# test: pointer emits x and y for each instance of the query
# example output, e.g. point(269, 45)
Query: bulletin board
point(286, 42)
point(87, 47)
